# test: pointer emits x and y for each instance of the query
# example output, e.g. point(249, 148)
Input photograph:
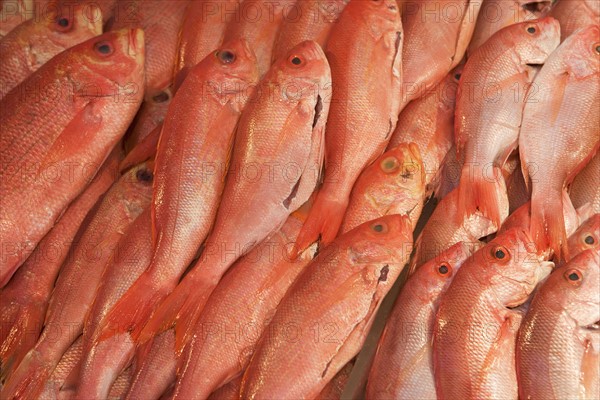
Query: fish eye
point(225, 56)
point(457, 76)
point(500, 253)
point(389, 164)
point(444, 269)
point(161, 97)
point(296, 60)
point(144, 175)
point(574, 277)
point(589, 239)
point(531, 29)
point(64, 24)
point(379, 227)
point(104, 48)
point(597, 48)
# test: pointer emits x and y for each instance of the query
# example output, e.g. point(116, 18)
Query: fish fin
point(323, 222)
point(145, 150)
point(24, 331)
point(29, 379)
point(180, 309)
point(547, 226)
point(132, 310)
point(481, 193)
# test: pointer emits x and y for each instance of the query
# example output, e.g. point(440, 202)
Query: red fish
point(489, 108)
point(584, 189)
point(52, 141)
point(14, 13)
point(559, 133)
point(30, 45)
point(364, 49)
point(574, 15)
point(78, 281)
point(149, 118)
point(323, 320)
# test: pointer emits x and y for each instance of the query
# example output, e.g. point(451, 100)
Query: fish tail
point(323, 222)
point(20, 338)
point(547, 226)
point(479, 193)
point(132, 310)
point(28, 380)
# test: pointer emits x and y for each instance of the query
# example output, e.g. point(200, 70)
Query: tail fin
point(479, 193)
point(548, 224)
point(323, 222)
point(132, 311)
point(29, 379)
point(180, 309)
point(23, 329)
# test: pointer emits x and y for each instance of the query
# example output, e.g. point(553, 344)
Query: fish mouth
point(595, 327)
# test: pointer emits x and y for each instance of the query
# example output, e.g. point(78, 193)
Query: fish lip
point(136, 42)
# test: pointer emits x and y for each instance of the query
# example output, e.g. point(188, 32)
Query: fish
point(143, 151)
point(587, 236)
point(393, 184)
point(198, 141)
point(489, 107)
point(478, 318)
point(436, 36)
point(559, 132)
point(78, 281)
point(584, 188)
point(374, 76)
point(497, 14)
point(574, 15)
point(516, 188)
point(429, 122)
point(237, 312)
point(275, 167)
point(229, 391)
point(403, 364)
point(149, 118)
point(322, 321)
point(30, 45)
point(557, 353)
point(13, 14)
point(68, 361)
point(131, 257)
point(52, 142)
point(161, 22)
point(446, 227)
point(307, 20)
point(202, 31)
point(25, 299)
point(104, 11)
point(258, 22)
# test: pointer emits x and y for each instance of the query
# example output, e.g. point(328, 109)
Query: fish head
point(137, 183)
point(69, 25)
point(303, 73)
point(583, 49)
point(384, 240)
point(116, 61)
point(512, 266)
point(380, 15)
point(587, 236)
point(536, 40)
point(579, 282)
point(437, 273)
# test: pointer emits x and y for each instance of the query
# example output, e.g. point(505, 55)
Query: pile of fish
point(214, 198)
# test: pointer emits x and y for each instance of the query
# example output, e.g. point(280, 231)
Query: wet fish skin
point(587, 236)
point(52, 143)
point(402, 367)
point(557, 354)
point(242, 304)
point(574, 15)
point(275, 130)
point(78, 281)
point(367, 67)
point(429, 122)
point(149, 117)
point(584, 190)
point(393, 184)
point(34, 42)
point(25, 299)
point(477, 320)
point(487, 131)
point(13, 14)
point(559, 133)
point(331, 307)
point(308, 20)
